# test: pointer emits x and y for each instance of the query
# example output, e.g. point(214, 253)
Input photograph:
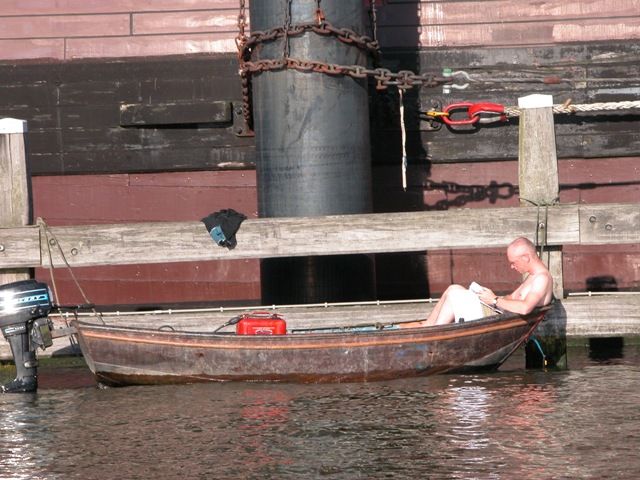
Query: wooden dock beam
point(14, 188)
point(539, 186)
point(24, 246)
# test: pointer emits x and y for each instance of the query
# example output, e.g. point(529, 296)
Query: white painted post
point(538, 183)
point(14, 187)
point(538, 170)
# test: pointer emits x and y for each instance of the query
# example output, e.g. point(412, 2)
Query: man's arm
point(537, 291)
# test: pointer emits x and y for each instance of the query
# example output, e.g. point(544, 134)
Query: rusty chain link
point(324, 28)
point(245, 81)
point(241, 38)
point(403, 79)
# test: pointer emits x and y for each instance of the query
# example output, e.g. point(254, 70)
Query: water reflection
point(23, 446)
point(581, 423)
point(264, 416)
point(469, 405)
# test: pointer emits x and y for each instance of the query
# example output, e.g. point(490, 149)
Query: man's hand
point(487, 296)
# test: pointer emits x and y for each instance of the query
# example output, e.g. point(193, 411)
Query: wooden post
point(538, 180)
point(14, 187)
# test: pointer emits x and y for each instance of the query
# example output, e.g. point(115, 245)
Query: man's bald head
point(521, 246)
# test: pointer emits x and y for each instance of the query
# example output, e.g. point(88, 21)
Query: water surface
point(580, 423)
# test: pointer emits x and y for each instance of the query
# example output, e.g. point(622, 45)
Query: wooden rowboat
point(126, 355)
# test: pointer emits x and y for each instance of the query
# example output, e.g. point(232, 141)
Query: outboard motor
point(24, 307)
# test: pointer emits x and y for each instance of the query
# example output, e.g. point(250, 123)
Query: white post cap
point(536, 100)
point(12, 125)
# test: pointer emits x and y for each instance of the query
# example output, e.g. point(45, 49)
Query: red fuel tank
point(261, 323)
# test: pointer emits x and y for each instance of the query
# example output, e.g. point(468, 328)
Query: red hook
point(483, 112)
point(459, 106)
point(488, 112)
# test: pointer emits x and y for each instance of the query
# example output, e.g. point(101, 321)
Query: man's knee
point(453, 288)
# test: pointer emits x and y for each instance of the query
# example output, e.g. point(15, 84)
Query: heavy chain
point(241, 38)
point(245, 82)
point(404, 79)
point(324, 28)
point(384, 78)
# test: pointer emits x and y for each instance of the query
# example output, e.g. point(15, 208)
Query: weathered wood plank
point(14, 193)
point(497, 34)
point(537, 164)
point(598, 224)
point(99, 7)
point(63, 26)
point(290, 237)
point(153, 45)
point(538, 180)
point(342, 234)
point(19, 248)
point(607, 71)
point(421, 13)
point(74, 107)
point(612, 315)
point(138, 114)
point(538, 171)
point(27, 49)
point(151, 160)
point(185, 22)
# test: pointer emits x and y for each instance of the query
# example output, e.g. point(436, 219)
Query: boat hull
point(142, 356)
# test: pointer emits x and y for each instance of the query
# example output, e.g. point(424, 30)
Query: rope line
point(541, 225)
point(587, 107)
point(403, 131)
point(52, 240)
point(537, 344)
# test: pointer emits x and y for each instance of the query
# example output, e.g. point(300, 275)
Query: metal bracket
point(240, 127)
point(430, 124)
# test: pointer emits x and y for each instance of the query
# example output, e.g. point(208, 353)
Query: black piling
point(312, 145)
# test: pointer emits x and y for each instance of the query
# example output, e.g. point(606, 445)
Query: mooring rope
point(483, 113)
point(403, 131)
point(540, 235)
point(567, 107)
point(535, 341)
point(54, 241)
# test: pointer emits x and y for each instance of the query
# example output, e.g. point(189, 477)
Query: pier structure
point(138, 120)
point(549, 224)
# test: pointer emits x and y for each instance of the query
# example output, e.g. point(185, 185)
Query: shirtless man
point(535, 291)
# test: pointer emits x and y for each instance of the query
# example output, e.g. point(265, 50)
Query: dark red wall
point(91, 199)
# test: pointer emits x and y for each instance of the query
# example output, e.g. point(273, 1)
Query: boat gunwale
point(309, 340)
